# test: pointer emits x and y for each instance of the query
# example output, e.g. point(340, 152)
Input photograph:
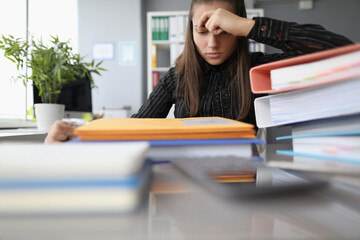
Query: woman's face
point(215, 49)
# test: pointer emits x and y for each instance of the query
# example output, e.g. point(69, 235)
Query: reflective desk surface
point(178, 208)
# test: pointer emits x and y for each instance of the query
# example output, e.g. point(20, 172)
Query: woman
point(211, 77)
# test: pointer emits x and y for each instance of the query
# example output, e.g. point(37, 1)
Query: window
point(12, 93)
point(45, 18)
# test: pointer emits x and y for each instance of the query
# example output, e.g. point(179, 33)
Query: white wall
point(113, 21)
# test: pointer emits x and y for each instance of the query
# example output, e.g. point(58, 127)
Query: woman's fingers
point(204, 19)
point(214, 21)
point(61, 131)
point(220, 20)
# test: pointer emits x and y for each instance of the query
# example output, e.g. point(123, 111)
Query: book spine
point(154, 28)
point(166, 28)
point(154, 56)
point(155, 78)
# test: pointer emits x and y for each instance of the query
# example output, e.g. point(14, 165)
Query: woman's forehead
point(201, 8)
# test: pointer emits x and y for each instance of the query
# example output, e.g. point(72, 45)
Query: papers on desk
point(72, 179)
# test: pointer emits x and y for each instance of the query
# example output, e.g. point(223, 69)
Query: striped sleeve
point(294, 38)
point(160, 100)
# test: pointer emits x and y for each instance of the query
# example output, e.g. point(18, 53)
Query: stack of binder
point(170, 138)
point(64, 179)
point(318, 95)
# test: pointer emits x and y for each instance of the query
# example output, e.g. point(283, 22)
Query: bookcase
point(166, 32)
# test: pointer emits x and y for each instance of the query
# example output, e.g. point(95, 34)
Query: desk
point(22, 135)
point(180, 209)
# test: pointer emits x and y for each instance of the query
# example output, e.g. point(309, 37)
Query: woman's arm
point(295, 38)
point(160, 100)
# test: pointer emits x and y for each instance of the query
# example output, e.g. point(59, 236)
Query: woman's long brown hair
point(190, 67)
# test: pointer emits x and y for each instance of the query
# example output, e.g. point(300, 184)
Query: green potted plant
point(50, 68)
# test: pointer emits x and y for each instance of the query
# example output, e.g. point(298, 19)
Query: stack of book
point(72, 178)
point(170, 138)
point(318, 95)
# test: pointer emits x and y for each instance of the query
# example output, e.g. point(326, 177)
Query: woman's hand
point(221, 20)
point(60, 131)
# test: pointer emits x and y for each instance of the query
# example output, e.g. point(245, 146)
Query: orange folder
point(162, 128)
point(260, 75)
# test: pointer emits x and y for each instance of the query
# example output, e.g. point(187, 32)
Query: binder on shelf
point(155, 78)
point(162, 28)
point(260, 78)
point(181, 28)
point(166, 29)
point(153, 28)
point(153, 55)
point(156, 28)
point(173, 29)
point(157, 129)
